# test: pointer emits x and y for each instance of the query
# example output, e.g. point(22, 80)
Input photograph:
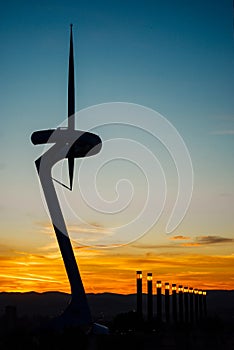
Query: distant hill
point(103, 306)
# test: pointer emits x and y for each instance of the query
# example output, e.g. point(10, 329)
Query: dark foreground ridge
point(24, 318)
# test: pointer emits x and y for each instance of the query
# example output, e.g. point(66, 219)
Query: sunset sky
point(175, 57)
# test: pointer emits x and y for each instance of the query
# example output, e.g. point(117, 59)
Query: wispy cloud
point(179, 242)
point(44, 227)
point(180, 237)
point(152, 246)
point(190, 244)
point(213, 240)
point(207, 240)
point(90, 229)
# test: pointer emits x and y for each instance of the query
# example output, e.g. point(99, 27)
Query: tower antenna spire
point(71, 85)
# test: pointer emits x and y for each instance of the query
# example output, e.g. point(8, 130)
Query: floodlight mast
point(68, 143)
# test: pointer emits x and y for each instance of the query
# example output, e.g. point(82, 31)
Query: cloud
point(152, 246)
point(88, 233)
point(190, 244)
point(92, 228)
point(180, 237)
point(44, 227)
point(204, 240)
point(181, 241)
point(213, 240)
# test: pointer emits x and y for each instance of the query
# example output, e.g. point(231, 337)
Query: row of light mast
point(184, 305)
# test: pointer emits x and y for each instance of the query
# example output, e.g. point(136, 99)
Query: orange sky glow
point(181, 261)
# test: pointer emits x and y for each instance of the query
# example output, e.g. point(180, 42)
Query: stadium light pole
point(181, 306)
point(186, 308)
point(191, 307)
point(204, 293)
point(196, 304)
point(174, 302)
point(200, 303)
point(159, 301)
point(167, 302)
point(149, 296)
point(139, 293)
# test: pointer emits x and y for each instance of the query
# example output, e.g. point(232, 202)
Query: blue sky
point(175, 57)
